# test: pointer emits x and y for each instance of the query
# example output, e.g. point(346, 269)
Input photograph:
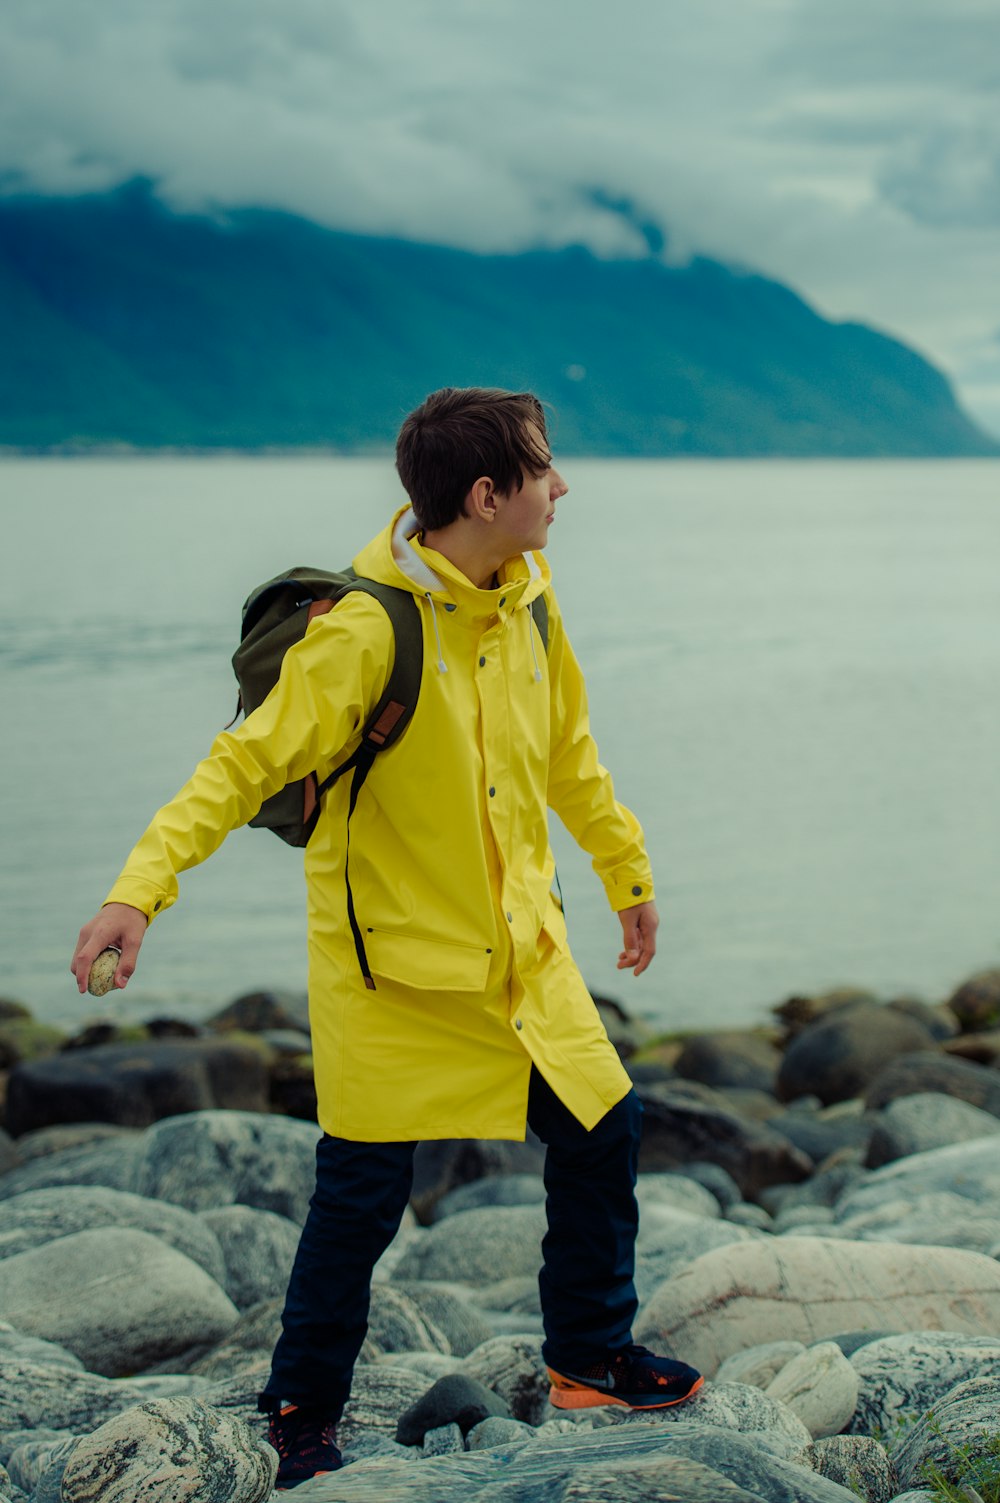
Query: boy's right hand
point(117, 924)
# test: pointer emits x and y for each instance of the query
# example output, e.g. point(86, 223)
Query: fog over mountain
point(850, 151)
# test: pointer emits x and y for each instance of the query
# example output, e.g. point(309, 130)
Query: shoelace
point(308, 1434)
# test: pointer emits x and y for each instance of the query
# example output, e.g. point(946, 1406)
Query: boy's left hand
point(639, 926)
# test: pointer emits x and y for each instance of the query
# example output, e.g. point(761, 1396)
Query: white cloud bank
point(851, 150)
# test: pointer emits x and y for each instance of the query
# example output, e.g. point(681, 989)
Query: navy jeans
point(586, 1283)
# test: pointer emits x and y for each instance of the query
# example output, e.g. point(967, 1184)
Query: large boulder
point(976, 1003)
point(926, 1120)
point(495, 1190)
point(135, 1084)
point(809, 1288)
point(820, 1386)
point(121, 1300)
point(970, 1170)
point(472, 1246)
point(209, 1159)
point(939, 1218)
point(43, 1396)
point(111, 1162)
point(441, 1165)
point(906, 1375)
point(957, 1438)
point(259, 1012)
point(838, 1056)
point(678, 1127)
point(729, 1058)
point(178, 1450)
point(41, 1216)
point(258, 1250)
point(930, 1070)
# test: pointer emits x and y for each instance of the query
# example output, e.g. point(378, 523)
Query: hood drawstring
point(531, 639)
point(442, 665)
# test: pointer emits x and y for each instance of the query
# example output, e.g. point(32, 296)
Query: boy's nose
point(557, 485)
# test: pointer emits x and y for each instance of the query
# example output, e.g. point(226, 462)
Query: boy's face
point(525, 515)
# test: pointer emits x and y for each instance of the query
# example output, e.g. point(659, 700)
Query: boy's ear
point(481, 502)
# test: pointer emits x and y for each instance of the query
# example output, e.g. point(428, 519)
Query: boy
point(445, 1003)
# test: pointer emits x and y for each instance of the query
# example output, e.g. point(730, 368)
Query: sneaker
point(305, 1441)
point(633, 1377)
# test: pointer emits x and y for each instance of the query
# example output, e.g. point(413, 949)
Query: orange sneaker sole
point(565, 1394)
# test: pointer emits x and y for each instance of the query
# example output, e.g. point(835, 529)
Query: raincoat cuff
point(146, 896)
point(630, 892)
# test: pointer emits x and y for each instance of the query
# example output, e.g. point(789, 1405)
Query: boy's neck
point(471, 555)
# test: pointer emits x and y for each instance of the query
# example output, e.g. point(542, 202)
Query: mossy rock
point(11, 1009)
point(22, 1039)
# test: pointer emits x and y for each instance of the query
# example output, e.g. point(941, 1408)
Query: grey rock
point(820, 1134)
point(852, 1341)
point(820, 1386)
point(725, 1301)
point(826, 1187)
point(442, 1165)
point(519, 1296)
point(446, 1440)
point(926, 1120)
point(676, 1192)
point(14, 1344)
point(964, 1421)
point(512, 1366)
point(931, 1070)
point(135, 1084)
point(729, 1058)
point(910, 1373)
point(379, 1395)
point(41, 1216)
point(10, 1155)
point(916, 1495)
point(463, 1327)
point(939, 1219)
point(209, 1159)
point(716, 1179)
point(256, 1012)
point(37, 1397)
point(258, 1249)
point(976, 1003)
point(669, 1240)
point(754, 1217)
point(118, 1299)
point(857, 1463)
point(29, 1463)
point(791, 1216)
point(759, 1365)
point(454, 1400)
point(432, 1365)
point(473, 1246)
point(287, 1040)
point(736, 1408)
point(838, 1056)
point(971, 1170)
point(627, 1463)
point(498, 1432)
point(176, 1449)
point(11, 1440)
point(397, 1324)
point(937, 1017)
point(112, 1162)
point(495, 1190)
point(677, 1127)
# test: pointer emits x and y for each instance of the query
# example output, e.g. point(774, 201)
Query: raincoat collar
point(398, 557)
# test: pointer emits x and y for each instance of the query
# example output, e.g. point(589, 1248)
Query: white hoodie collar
point(414, 567)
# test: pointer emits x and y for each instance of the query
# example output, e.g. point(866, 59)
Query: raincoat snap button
point(482, 662)
point(636, 891)
point(517, 1023)
point(492, 793)
point(451, 607)
point(510, 918)
point(503, 599)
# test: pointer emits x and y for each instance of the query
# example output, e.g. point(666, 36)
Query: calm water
point(794, 673)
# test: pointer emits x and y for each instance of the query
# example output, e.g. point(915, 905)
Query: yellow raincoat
point(450, 863)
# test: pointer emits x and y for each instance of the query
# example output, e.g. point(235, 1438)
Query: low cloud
point(850, 150)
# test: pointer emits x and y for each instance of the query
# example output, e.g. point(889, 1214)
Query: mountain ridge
point(125, 323)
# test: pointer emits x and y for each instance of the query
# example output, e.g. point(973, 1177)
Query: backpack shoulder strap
point(539, 608)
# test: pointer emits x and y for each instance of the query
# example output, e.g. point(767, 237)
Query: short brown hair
point(459, 434)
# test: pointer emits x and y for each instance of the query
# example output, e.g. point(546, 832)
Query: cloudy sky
point(848, 147)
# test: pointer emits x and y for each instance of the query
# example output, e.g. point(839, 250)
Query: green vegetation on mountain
point(123, 322)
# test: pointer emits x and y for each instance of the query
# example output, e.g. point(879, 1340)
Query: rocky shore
point(820, 1235)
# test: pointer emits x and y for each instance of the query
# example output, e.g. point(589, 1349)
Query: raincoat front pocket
point(427, 964)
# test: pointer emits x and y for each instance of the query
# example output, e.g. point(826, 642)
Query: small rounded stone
point(102, 972)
